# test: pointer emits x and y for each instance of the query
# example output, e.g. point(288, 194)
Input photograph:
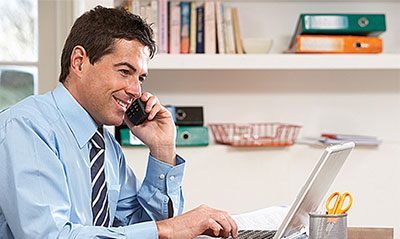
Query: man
point(64, 176)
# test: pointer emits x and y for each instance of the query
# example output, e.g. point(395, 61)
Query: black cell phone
point(136, 113)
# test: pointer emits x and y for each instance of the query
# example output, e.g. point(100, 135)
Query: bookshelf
point(276, 62)
point(263, 18)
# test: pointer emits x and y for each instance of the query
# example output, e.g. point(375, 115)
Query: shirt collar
point(78, 119)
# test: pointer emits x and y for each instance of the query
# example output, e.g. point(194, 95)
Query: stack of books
point(190, 27)
point(338, 33)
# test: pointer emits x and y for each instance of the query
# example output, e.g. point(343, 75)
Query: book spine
point(337, 44)
point(127, 5)
point(220, 28)
point(209, 28)
point(200, 30)
point(154, 19)
point(135, 6)
point(148, 13)
point(175, 29)
point(142, 12)
point(238, 40)
point(163, 26)
point(229, 33)
point(193, 7)
point(185, 27)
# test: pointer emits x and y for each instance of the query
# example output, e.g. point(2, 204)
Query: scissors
point(339, 201)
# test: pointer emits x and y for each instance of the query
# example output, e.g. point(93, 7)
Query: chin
point(115, 121)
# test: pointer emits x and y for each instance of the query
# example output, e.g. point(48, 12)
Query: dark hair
point(96, 31)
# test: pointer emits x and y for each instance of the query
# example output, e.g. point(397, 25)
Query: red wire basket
point(255, 134)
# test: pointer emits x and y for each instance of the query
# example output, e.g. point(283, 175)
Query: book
point(335, 44)
point(126, 4)
point(185, 27)
point(142, 11)
point(209, 28)
point(220, 27)
point(200, 29)
point(229, 32)
point(174, 28)
point(238, 39)
point(145, 13)
point(163, 26)
point(154, 19)
point(135, 7)
point(340, 24)
point(193, 17)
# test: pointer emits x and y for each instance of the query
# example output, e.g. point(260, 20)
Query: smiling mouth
point(123, 104)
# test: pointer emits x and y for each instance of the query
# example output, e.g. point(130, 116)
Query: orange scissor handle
point(332, 210)
point(340, 209)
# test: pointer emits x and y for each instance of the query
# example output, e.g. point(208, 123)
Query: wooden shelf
point(276, 62)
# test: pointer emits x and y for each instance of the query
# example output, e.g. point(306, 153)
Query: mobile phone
point(136, 113)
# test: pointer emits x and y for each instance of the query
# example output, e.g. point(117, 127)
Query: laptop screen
point(314, 190)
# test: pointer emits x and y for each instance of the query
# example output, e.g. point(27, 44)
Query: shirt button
point(172, 178)
point(162, 176)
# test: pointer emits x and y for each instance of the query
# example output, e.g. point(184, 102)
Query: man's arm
point(149, 200)
point(34, 194)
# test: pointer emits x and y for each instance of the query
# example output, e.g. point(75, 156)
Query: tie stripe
point(99, 186)
point(101, 151)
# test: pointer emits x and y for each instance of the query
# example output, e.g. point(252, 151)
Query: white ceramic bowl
point(257, 45)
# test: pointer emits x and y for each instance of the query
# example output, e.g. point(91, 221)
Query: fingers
point(215, 227)
point(234, 226)
point(228, 225)
point(221, 223)
point(153, 105)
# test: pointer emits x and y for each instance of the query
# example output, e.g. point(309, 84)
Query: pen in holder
point(327, 226)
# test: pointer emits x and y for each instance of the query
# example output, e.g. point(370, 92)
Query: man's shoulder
point(38, 109)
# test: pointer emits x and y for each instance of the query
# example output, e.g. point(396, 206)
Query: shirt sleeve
point(34, 195)
point(163, 182)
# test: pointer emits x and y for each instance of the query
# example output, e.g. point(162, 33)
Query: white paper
point(269, 218)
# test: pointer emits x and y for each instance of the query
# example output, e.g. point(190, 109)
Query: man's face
point(108, 87)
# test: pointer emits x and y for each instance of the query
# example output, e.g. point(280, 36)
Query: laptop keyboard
point(255, 234)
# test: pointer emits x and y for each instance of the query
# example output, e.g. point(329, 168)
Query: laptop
point(309, 198)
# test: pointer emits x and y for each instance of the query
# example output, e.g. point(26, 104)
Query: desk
point(369, 233)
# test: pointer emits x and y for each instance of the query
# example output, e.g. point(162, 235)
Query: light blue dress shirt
point(45, 184)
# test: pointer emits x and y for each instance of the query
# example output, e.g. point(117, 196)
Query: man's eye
point(141, 79)
point(125, 72)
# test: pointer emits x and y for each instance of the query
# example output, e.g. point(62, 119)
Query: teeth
point(122, 104)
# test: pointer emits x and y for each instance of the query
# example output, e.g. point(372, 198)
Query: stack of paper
point(357, 139)
point(327, 139)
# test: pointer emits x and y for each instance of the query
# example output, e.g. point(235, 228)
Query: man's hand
point(158, 132)
point(202, 220)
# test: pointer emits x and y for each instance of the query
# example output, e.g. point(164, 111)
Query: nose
point(134, 88)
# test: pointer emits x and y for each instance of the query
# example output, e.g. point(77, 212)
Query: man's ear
point(78, 57)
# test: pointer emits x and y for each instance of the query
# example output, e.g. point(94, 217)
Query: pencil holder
point(325, 226)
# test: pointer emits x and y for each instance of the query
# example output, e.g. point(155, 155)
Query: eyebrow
point(130, 66)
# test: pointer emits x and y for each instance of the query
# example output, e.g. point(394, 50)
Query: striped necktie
point(100, 212)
